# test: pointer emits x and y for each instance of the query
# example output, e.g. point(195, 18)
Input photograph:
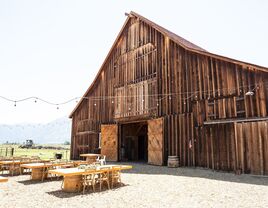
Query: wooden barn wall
point(238, 147)
point(252, 147)
point(148, 75)
point(208, 87)
point(215, 147)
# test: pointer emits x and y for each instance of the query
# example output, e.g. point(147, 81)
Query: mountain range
point(55, 132)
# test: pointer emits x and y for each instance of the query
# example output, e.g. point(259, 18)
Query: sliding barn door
point(155, 141)
point(109, 142)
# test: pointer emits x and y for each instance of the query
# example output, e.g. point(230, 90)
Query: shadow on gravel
point(62, 194)
point(143, 168)
point(31, 182)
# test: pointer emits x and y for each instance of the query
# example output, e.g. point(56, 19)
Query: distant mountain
point(57, 132)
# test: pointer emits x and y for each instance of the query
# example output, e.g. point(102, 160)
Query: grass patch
point(42, 153)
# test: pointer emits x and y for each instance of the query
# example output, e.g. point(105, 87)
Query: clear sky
point(53, 49)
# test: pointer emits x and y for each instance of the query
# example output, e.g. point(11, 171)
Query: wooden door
point(155, 141)
point(109, 142)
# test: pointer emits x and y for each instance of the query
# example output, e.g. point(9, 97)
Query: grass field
point(42, 153)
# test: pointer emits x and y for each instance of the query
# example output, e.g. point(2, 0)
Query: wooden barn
point(158, 95)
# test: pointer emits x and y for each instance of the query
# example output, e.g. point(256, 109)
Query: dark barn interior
point(134, 142)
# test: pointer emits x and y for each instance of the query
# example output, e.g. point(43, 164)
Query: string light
point(157, 97)
point(249, 93)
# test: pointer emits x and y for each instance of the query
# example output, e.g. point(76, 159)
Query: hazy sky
point(53, 49)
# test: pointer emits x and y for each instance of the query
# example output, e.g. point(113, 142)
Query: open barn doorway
point(134, 142)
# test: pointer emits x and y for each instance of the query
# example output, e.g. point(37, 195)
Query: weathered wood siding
point(149, 75)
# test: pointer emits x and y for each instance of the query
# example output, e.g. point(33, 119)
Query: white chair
point(103, 160)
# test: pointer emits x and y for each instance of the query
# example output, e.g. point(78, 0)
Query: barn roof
point(177, 39)
point(171, 35)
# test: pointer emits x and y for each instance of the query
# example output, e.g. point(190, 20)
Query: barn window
point(240, 107)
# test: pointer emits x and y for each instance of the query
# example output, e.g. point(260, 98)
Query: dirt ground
point(145, 186)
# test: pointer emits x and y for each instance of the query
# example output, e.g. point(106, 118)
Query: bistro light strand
point(249, 90)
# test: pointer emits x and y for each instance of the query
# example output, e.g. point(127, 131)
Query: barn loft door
point(109, 142)
point(155, 141)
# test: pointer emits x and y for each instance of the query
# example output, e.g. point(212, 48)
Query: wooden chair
point(116, 175)
point(103, 176)
point(15, 166)
point(88, 179)
point(3, 168)
point(46, 170)
point(25, 160)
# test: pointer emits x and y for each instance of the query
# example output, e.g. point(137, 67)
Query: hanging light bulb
point(170, 97)
point(15, 104)
point(157, 104)
point(58, 107)
point(95, 104)
point(35, 100)
point(112, 101)
point(249, 93)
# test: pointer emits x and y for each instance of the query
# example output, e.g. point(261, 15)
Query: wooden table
point(38, 169)
point(79, 162)
point(3, 179)
point(72, 177)
point(18, 163)
point(9, 164)
point(90, 157)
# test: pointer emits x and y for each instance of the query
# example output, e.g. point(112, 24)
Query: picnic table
point(39, 168)
point(72, 177)
point(3, 179)
point(90, 157)
point(10, 163)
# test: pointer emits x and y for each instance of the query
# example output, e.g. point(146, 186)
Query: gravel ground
point(145, 186)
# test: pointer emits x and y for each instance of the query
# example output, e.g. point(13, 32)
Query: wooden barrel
point(72, 183)
point(37, 174)
point(173, 161)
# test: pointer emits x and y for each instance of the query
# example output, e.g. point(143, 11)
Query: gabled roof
point(172, 36)
point(181, 41)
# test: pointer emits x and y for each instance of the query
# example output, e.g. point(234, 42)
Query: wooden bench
point(3, 179)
